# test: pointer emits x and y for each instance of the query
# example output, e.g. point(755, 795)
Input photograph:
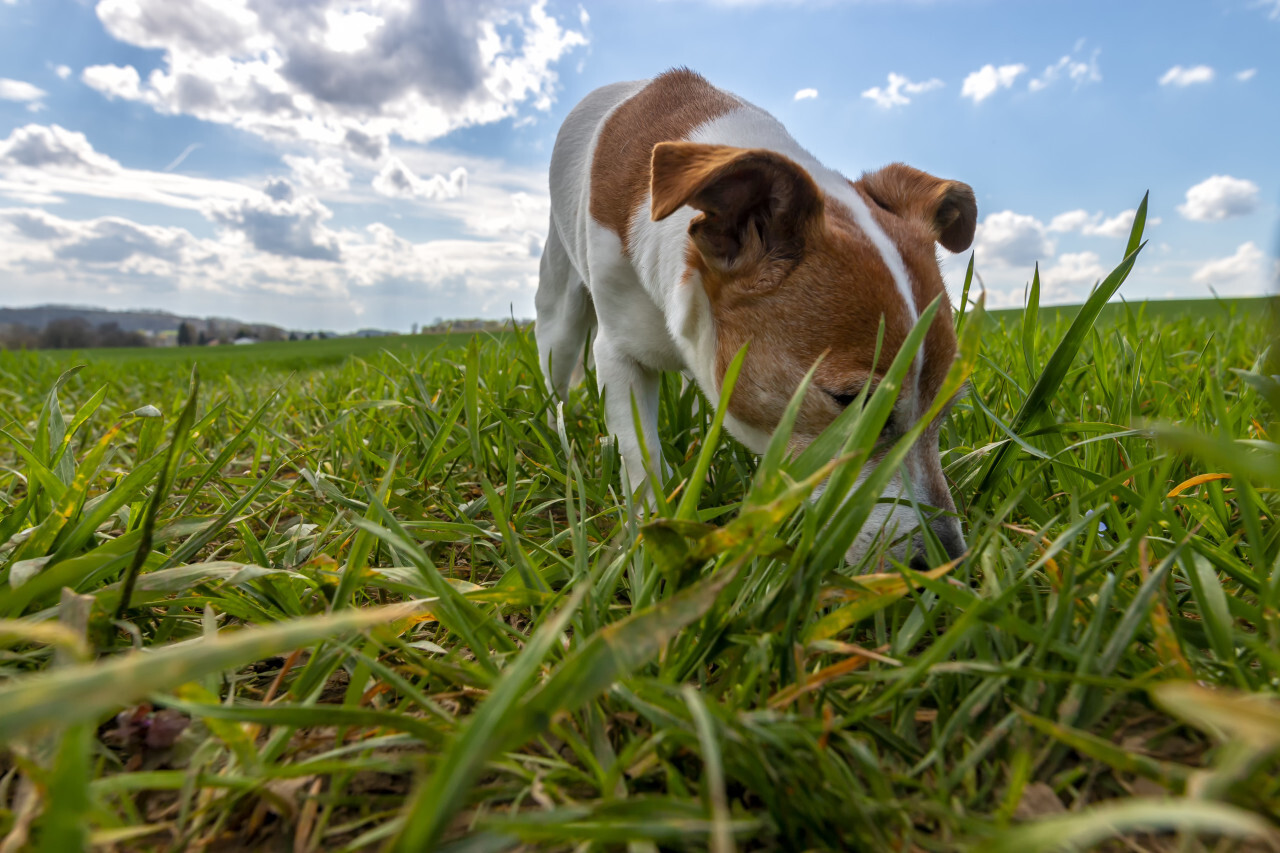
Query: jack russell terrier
point(686, 222)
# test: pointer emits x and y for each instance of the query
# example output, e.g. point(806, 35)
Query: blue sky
point(347, 163)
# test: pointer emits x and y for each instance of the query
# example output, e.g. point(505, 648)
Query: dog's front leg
point(621, 378)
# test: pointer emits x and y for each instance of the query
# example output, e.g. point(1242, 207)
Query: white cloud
point(1070, 276)
point(1097, 224)
point(398, 181)
point(280, 222)
point(806, 95)
point(1272, 8)
point(1246, 75)
point(1246, 267)
point(114, 81)
point(989, 79)
point(898, 88)
point(1078, 71)
point(38, 146)
point(1179, 76)
point(42, 164)
point(63, 71)
point(19, 90)
point(1220, 197)
point(1011, 239)
point(326, 173)
point(323, 72)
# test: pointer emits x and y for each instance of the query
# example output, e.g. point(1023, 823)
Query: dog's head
point(803, 271)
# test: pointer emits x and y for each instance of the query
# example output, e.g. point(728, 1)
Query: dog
point(686, 222)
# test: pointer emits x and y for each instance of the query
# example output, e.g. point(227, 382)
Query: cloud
point(1247, 266)
point(989, 79)
point(107, 244)
point(326, 73)
point(397, 180)
point(280, 222)
point(112, 240)
point(1096, 224)
point(1246, 75)
point(41, 164)
point(1220, 197)
point(1078, 71)
point(1182, 77)
point(898, 88)
point(1012, 239)
point(38, 146)
point(326, 173)
point(114, 81)
point(19, 90)
point(63, 71)
point(1272, 8)
point(806, 95)
point(1070, 276)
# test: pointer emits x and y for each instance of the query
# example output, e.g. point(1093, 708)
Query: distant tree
point(203, 339)
point(15, 336)
point(111, 335)
point(245, 332)
point(293, 336)
point(67, 333)
point(186, 334)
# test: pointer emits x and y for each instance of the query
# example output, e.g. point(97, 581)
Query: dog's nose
point(950, 535)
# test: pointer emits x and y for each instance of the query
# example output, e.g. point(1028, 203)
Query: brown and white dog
point(686, 222)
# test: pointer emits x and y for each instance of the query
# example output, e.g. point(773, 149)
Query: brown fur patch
point(828, 304)
point(666, 110)
point(947, 208)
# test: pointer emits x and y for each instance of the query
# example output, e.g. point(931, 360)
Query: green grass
point(396, 608)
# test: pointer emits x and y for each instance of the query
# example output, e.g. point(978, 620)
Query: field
point(317, 599)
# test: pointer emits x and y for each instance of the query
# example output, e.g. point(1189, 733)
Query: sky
point(339, 164)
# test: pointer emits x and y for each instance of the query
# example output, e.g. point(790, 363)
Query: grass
point(390, 599)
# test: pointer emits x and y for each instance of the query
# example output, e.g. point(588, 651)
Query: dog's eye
point(842, 400)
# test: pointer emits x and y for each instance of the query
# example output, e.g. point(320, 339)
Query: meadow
point(306, 598)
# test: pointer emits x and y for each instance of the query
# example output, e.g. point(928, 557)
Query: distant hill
point(148, 322)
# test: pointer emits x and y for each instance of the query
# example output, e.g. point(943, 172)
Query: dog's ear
point(947, 208)
point(754, 203)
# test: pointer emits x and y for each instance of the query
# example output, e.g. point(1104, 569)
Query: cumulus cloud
point(281, 222)
point(114, 81)
point(988, 80)
point(1012, 239)
point(1097, 224)
point(1070, 276)
point(1220, 197)
point(1078, 71)
point(1182, 77)
point(327, 73)
point(326, 173)
point(397, 180)
point(63, 71)
point(1247, 266)
point(806, 94)
point(38, 146)
point(19, 90)
point(896, 91)
point(107, 244)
